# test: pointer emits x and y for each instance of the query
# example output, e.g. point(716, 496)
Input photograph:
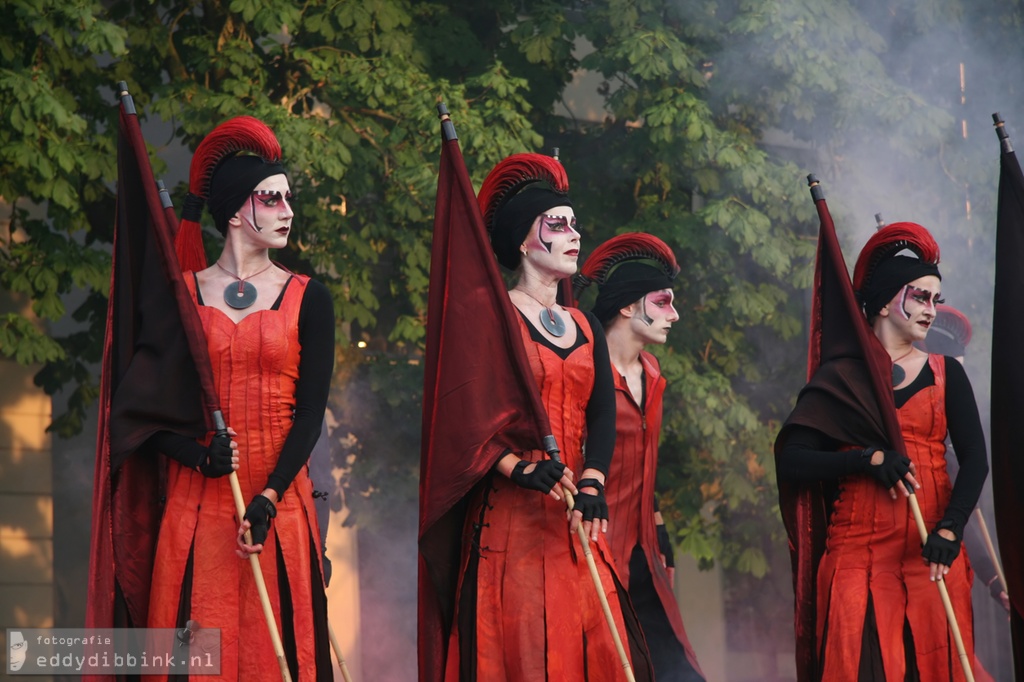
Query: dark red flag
point(149, 382)
point(1008, 388)
point(479, 396)
point(856, 404)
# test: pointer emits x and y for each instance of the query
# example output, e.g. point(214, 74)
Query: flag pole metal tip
point(447, 127)
point(218, 422)
point(165, 196)
point(126, 99)
point(1004, 137)
point(817, 193)
point(551, 447)
point(879, 222)
point(554, 153)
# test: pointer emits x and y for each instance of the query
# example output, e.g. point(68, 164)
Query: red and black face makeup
point(269, 203)
point(657, 300)
point(272, 197)
point(924, 297)
point(552, 225)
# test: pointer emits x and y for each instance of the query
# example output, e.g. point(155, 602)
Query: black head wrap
point(233, 182)
point(627, 284)
point(889, 277)
point(513, 219)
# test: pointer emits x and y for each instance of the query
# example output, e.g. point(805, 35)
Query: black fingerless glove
point(665, 546)
point(217, 460)
point(543, 477)
point(258, 514)
point(939, 550)
point(593, 507)
point(893, 468)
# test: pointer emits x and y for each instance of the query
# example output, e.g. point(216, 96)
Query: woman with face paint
point(879, 616)
point(526, 607)
point(634, 274)
point(270, 336)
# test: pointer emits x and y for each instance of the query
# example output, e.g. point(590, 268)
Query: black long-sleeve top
point(316, 364)
point(809, 454)
point(600, 443)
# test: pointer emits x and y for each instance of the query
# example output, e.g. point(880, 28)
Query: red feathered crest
point(621, 248)
point(515, 172)
point(239, 134)
point(889, 241)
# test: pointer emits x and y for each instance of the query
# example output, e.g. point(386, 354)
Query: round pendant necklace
point(549, 319)
point(241, 294)
point(898, 373)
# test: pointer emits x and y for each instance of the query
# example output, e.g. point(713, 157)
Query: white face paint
point(654, 315)
point(553, 244)
point(913, 307)
point(268, 212)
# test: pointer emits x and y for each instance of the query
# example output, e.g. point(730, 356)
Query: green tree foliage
point(692, 91)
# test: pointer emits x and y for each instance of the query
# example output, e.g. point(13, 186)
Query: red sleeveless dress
point(874, 548)
point(255, 367)
point(537, 613)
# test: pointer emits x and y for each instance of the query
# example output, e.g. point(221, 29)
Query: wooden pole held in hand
point(261, 585)
point(987, 537)
point(943, 593)
point(592, 565)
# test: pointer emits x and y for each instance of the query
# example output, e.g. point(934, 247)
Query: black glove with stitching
point(939, 550)
point(258, 514)
point(893, 468)
point(217, 461)
point(594, 507)
point(543, 477)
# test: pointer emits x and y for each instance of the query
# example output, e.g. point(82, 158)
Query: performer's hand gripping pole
point(551, 446)
point(254, 561)
point(943, 592)
point(990, 548)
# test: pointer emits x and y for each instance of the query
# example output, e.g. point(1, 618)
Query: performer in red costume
point(949, 335)
point(526, 607)
point(879, 617)
point(270, 336)
point(634, 274)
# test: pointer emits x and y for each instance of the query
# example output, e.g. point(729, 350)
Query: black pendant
point(898, 375)
point(240, 295)
point(552, 322)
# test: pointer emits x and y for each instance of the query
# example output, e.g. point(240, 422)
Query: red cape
point(479, 397)
point(849, 397)
point(145, 335)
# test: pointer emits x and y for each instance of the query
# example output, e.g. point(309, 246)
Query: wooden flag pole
point(944, 594)
point(337, 652)
point(987, 537)
point(592, 565)
point(261, 585)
